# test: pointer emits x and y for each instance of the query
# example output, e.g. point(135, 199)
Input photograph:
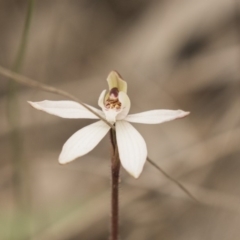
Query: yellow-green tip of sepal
point(115, 81)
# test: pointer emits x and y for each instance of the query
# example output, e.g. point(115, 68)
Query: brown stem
point(115, 169)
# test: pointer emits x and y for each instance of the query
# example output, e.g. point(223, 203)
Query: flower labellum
point(115, 105)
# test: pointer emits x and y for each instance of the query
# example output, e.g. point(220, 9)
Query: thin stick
point(173, 180)
point(115, 169)
point(44, 87)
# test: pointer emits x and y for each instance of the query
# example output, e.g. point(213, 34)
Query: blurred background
point(178, 54)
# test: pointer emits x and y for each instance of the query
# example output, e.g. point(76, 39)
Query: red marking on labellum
point(112, 102)
point(114, 93)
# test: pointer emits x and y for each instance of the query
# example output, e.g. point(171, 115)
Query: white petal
point(126, 104)
point(66, 109)
point(83, 141)
point(101, 99)
point(132, 148)
point(110, 114)
point(156, 116)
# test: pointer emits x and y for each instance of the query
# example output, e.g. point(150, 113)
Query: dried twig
point(172, 179)
point(34, 84)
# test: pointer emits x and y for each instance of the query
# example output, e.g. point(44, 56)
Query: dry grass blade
point(173, 180)
point(34, 84)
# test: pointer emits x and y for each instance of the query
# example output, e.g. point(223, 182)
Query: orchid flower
point(115, 105)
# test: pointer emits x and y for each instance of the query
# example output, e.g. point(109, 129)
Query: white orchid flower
point(115, 105)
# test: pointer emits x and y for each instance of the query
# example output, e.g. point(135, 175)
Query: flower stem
point(115, 169)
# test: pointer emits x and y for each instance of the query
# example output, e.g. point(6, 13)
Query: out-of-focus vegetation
point(181, 54)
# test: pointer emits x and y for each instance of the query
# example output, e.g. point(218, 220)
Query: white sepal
point(66, 109)
point(132, 148)
point(83, 141)
point(156, 116)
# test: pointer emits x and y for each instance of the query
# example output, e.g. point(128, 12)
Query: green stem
point(24, 40)
point(13, 109)
point(20, 183)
